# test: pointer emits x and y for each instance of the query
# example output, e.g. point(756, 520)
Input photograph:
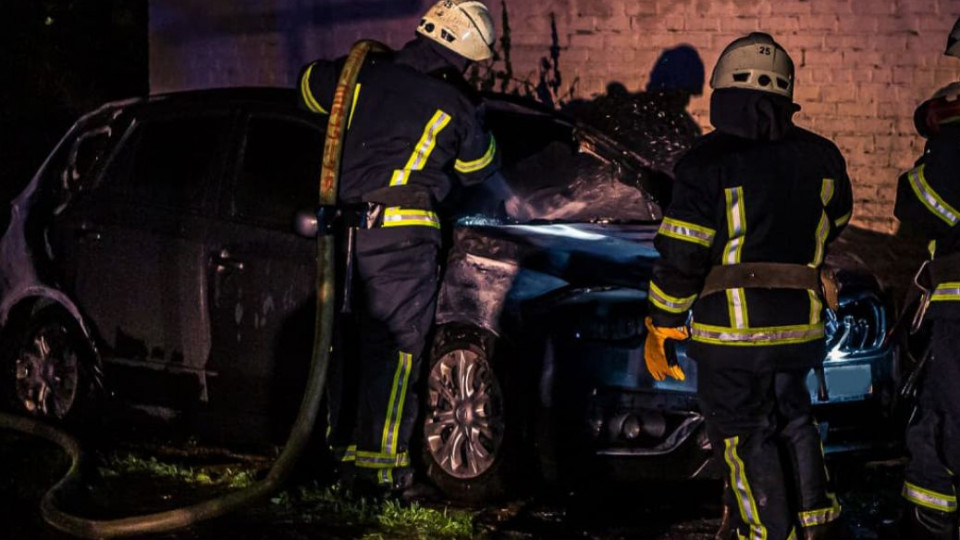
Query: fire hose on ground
point(303, 427)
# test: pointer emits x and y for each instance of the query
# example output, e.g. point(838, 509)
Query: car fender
point(39, 296)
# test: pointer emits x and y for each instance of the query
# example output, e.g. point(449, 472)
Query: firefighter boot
point(921, 523)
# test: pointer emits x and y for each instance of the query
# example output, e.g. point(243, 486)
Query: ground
point(150, 478)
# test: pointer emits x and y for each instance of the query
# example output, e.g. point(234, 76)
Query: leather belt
point(763, 276)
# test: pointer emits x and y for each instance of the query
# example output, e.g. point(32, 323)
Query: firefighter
point(755, 204)
point(414, 133)
point(928, 199)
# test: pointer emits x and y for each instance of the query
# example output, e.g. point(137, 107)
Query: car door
point(139, 258)
point(261, 297)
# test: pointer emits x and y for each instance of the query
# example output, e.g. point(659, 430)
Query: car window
point(168, 162)
point(279, 171)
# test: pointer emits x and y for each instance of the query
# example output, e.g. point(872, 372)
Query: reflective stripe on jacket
point(405, 127)
point(738, 200)
point(928, 204)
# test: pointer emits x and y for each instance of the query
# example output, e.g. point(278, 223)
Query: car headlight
point(857, 328)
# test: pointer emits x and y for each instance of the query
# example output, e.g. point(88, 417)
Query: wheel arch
point(18, 310)
point(33, 299)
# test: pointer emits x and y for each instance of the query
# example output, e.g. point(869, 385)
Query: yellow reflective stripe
point(467, 167)
point(844, 219)
point(353, 106)
point(793, 534)
point(932, 248)
point(749, 511)
point(686, 231)
point(733, 251)
point(930, 198)
point(816, 307)
point(408, 361)
point(670, 304)
point(756, 336)
point(396, 216)
point(736, 225)
point(423, 149)
point(826, 190)
point(946, 291)
point(398, 390)
point(929, 498)
point(312, 104)
point(385, 476)
point(820, 516)
point(346, 454)
point(823, 227)
point(376, 460)
point(737, 306)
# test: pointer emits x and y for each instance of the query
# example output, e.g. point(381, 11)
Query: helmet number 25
point(765, 50)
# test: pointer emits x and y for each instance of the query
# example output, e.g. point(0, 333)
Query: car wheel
point(49, 367)
point(469, 433)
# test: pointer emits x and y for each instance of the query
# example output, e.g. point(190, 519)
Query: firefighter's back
point(775, 201)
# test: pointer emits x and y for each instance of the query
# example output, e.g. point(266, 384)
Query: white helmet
point(953, 41)
point(755, 62)
point(463, 26)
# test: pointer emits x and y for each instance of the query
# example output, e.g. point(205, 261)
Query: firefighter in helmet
point(415, 132)
point(755, 204)
point(928, 204)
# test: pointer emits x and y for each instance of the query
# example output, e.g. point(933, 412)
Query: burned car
point(153, 261)
point(538, 362)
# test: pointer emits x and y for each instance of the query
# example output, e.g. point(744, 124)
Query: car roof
point(288, 96)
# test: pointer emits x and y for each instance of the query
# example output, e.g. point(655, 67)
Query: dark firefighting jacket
point(736, 199)
point(412, 123)
point(928, 199)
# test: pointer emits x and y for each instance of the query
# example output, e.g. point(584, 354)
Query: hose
point(309, 407)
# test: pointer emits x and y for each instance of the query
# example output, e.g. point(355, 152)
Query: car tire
point(472, 429)
point(49, 368)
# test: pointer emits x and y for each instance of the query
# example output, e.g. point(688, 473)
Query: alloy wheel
point(46, 372)
point(465, 425)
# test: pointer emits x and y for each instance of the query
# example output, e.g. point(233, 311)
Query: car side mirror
point(306, 224)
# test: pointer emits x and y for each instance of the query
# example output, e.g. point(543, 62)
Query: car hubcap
point(464, 426)
point(46, 373)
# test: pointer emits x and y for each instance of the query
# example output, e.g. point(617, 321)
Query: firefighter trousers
point(933, 436)
point(762, 431)
point(372, 399)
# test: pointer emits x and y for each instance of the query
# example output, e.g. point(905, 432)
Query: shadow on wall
point(654, 123)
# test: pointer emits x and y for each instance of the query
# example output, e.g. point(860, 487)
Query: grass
point(129, 463)
point(382, 520)
point(374, 520)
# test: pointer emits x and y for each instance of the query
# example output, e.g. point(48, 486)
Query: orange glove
point(655, 353)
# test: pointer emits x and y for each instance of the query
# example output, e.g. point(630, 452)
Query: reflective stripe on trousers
point(749, 511)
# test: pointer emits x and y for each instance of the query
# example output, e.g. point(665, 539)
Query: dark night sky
point(59, 59)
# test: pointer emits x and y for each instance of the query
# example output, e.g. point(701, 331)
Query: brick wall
point(862, 65)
